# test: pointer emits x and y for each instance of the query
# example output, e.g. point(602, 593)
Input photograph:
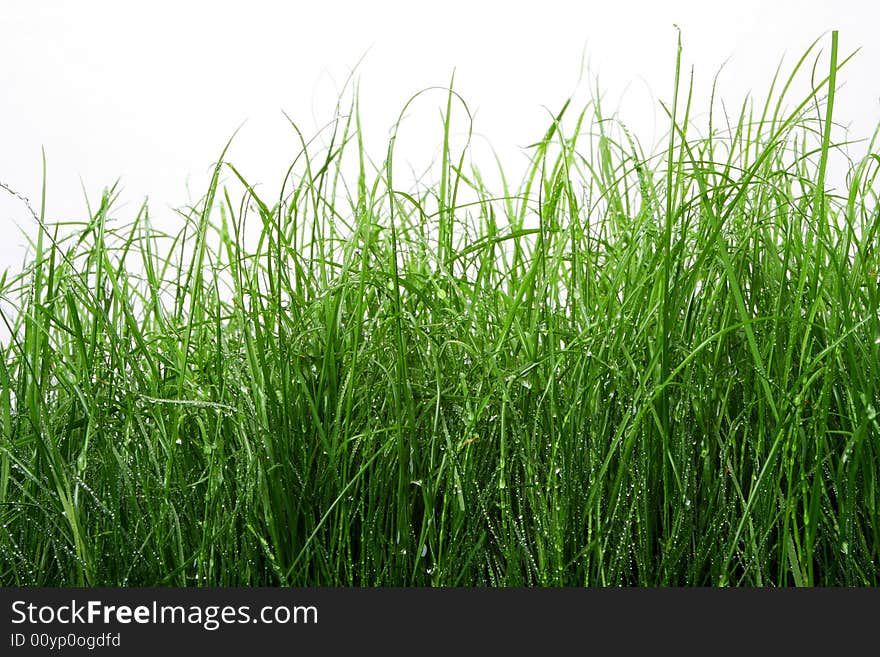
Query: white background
point(150, 92)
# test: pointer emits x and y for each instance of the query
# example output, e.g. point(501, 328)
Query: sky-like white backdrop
point(150, 92)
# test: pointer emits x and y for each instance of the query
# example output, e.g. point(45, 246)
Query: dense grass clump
point(633, 368)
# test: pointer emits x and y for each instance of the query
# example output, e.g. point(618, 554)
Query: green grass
point(652, 368)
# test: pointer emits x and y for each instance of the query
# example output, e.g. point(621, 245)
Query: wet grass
point(652, 368)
